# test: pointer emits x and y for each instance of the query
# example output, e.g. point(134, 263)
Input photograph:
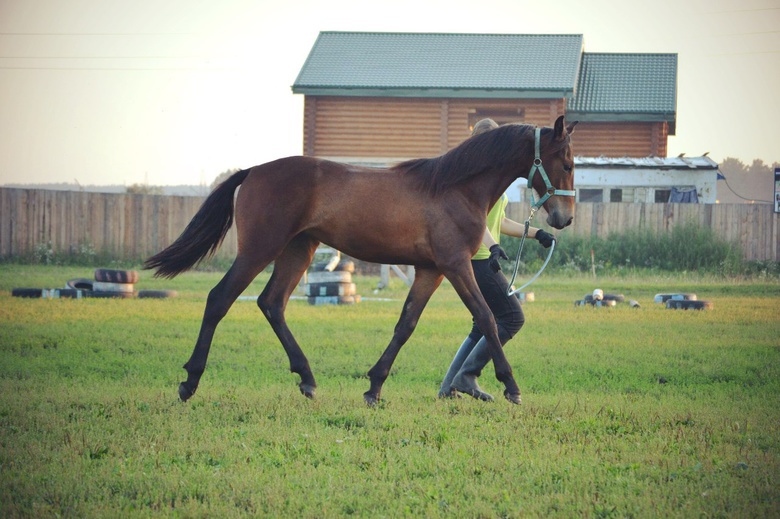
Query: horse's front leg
point(426, 281)
point(219, 301)
point(462, 279)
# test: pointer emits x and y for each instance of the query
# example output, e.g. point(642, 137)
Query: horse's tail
point(203, 235)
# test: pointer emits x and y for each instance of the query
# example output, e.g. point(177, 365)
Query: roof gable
point(626, 84)
point(435, 64)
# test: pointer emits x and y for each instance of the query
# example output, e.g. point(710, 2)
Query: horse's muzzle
point(559, 221)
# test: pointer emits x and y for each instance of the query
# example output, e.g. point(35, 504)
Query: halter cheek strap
point(537, 166)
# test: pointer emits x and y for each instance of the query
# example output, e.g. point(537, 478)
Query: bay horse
point(429, 213)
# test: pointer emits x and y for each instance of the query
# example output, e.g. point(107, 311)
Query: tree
point(731, 167)
point(143, 189)
point(743, 183)
point(223, 176)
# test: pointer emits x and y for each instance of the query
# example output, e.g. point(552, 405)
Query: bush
point(687, 247)
point(82, 255)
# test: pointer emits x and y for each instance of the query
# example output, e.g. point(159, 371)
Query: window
point(662, 195)
point(499, 115)
point(615, 195)
point(591, 195)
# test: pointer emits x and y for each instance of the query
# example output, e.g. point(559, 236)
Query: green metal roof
point(436, 65)
point(598, 86)
point(632, 86)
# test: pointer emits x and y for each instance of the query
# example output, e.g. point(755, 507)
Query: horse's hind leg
point(466, 286)
point(220, 299)
point(426, 281)
point(288, 269)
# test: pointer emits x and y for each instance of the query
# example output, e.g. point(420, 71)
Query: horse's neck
point(487, 188)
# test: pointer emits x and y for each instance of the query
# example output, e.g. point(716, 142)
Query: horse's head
point(552, 176)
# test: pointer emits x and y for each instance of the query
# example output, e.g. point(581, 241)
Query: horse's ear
point(561, 130)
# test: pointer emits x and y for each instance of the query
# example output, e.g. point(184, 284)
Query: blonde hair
point(484, 125)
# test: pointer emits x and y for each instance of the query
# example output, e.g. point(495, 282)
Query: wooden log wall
point(404, 128)
point(133, 227)
point(620, 139)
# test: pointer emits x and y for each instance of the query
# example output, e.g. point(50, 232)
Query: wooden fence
point(122, 225)
point(755, 227)
point(136, 226)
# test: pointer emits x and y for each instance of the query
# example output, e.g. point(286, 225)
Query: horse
point(429, 213)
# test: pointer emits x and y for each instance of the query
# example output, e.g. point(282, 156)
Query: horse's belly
point(379, 245)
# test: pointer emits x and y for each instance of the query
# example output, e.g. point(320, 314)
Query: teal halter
point(537, 166)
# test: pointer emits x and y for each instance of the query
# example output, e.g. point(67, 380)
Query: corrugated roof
point(495, 64)
point(702, 162)
point(626, 84)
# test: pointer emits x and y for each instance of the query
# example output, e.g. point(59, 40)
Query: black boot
point(445, 391)
point(465, 380)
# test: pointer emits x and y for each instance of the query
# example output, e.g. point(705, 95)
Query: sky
point(169, 92)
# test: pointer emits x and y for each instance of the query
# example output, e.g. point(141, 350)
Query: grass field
point(627, 412)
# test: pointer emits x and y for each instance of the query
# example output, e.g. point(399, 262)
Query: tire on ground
point(116, 276)
point(663, 298)
point(101, 286)
point(72, 293)
point(80, 283)
point(333, 300)
point(156, 294)
point(110, 295)
point(49, 293)
point(618, 298)
point(330, 289)
point(342, 266)
point(27, 292)
point(685, 304)
point(591, 302)
point(341, 276)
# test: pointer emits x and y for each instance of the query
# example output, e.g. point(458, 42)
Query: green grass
point(627, 412)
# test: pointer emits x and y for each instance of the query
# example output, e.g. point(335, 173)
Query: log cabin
point(380, 98)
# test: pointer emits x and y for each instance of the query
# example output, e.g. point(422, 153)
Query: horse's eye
point(567, 168)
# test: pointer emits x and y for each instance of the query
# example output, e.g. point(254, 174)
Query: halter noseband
point(537, 166)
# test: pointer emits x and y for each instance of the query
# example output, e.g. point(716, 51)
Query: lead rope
point(527, 224)
point(537, 166)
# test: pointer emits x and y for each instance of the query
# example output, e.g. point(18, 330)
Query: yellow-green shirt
point(494, 219)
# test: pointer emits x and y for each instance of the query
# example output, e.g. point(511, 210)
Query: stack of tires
point(601, 300)
point(107, 283)
point(683, 302)
point(324, 287)
point(114, 283)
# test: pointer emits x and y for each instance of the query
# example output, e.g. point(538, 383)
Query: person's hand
point(545, 238)
point(496, 253)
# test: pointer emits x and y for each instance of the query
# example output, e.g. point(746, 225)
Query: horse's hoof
point(371, 399)
point(513, 397)
point(307, 390)
point(185, 392)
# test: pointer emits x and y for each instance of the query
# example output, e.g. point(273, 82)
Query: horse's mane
point(484, 151)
